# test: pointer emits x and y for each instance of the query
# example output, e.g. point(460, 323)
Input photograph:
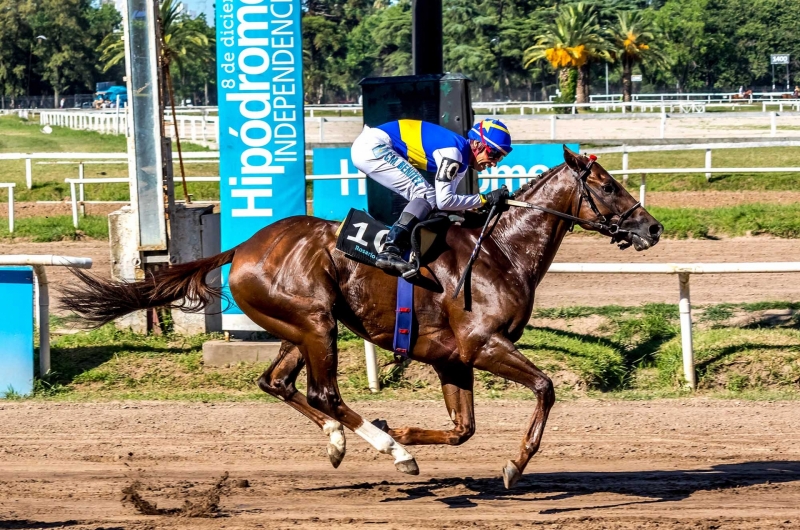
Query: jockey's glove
point(497, 198)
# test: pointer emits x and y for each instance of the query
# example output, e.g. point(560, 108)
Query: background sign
point(262, 149)
point(779, 58)
point(636, 78)
point(334, 198)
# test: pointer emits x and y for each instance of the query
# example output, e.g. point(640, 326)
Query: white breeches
point(373, 155)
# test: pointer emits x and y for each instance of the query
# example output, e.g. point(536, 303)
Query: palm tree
point(178, 39)
point(574, 40)
point(633, 39)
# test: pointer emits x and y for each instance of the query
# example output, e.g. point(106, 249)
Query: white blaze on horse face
point(383, 442)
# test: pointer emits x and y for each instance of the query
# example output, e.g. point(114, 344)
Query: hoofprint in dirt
point(663, 464)
point(560, 290)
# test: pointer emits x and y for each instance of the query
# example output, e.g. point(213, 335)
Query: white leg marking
point(334, 430)
point(383, 442)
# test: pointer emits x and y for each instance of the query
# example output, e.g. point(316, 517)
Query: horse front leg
point(501, 358)
point(457, 385)
point(279, 381)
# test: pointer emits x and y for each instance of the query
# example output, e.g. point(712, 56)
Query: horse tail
point(99, 301)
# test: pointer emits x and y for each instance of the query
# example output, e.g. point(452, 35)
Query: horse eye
point(608, 188)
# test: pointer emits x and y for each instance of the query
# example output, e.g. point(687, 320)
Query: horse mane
point(536, 180)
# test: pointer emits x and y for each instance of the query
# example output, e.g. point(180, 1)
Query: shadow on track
point(655, 486)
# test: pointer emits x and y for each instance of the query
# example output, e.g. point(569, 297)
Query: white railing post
point(321, 129)
point(372, 367)
point(773, 123)
point(81, 188)
point(11, 209)
point(708, 163)
point(28, 173)
point(553, 127)
point(74, 201)
point(642, 187)
point(624, 163)
point(763, 106)
point(685, 308)
point(663, 124)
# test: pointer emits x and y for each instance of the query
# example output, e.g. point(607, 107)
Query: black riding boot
point(398, 240)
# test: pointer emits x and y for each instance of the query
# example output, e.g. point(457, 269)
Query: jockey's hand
point(497, 198)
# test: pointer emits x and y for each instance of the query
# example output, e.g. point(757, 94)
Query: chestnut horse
point(289, 280)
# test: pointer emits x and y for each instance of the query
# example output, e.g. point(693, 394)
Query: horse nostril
point(656, 229)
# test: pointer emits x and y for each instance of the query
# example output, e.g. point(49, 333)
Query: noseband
point(590, 196)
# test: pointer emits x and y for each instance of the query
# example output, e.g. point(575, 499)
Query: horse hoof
point(337, 446)
point(511, 474)
point(381, 424)
point(336, 455)
point(409, 467)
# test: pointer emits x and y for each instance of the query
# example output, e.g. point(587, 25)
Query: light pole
point(39, 38)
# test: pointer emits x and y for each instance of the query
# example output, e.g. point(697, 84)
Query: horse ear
point(576, 162)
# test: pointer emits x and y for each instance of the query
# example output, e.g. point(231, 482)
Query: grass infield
point(743, 350)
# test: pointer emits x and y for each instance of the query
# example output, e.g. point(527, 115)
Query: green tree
point(634, 42)
point(571, 42)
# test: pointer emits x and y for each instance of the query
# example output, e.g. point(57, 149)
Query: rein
point(602, 223)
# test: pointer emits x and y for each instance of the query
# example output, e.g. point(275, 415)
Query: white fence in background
point(93, 158)
point(10, 187)
point(682, 270)
point(204, 128)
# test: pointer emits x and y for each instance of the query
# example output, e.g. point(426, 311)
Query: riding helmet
point(493, 134)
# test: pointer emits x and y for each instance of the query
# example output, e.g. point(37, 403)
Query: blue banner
point(530, 159)
point(261, 131)
point(334, 198)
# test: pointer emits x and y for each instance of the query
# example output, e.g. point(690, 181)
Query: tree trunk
point(55, 98)
point(627, 66)
point(582, 91)
point(205, 93)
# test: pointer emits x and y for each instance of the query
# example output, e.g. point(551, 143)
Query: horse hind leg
point(279, 381)
point(320, 351)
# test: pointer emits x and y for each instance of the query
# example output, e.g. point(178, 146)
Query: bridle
point(587, 194)
point(602, 222)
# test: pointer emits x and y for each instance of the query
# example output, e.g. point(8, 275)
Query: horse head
point(608, 208)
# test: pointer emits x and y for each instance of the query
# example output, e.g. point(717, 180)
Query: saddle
point(360, 237)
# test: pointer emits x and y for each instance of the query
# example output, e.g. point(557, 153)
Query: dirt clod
point(207, 506)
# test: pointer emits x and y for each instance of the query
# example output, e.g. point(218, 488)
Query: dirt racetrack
point(559, 290)
point(663, 464)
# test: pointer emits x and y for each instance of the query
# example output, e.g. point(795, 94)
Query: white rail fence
point(682, 270)
point(206, 128)
point(42, 297)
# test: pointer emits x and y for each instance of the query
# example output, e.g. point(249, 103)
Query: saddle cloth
point(361, 238)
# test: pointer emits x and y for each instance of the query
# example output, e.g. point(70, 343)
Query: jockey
point(393, 154)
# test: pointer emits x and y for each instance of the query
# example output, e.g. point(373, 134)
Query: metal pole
point(708, 163)
point(372, 367)
point(553, 127)
point(44, 319)
point(426, 37)
point(685, 308)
